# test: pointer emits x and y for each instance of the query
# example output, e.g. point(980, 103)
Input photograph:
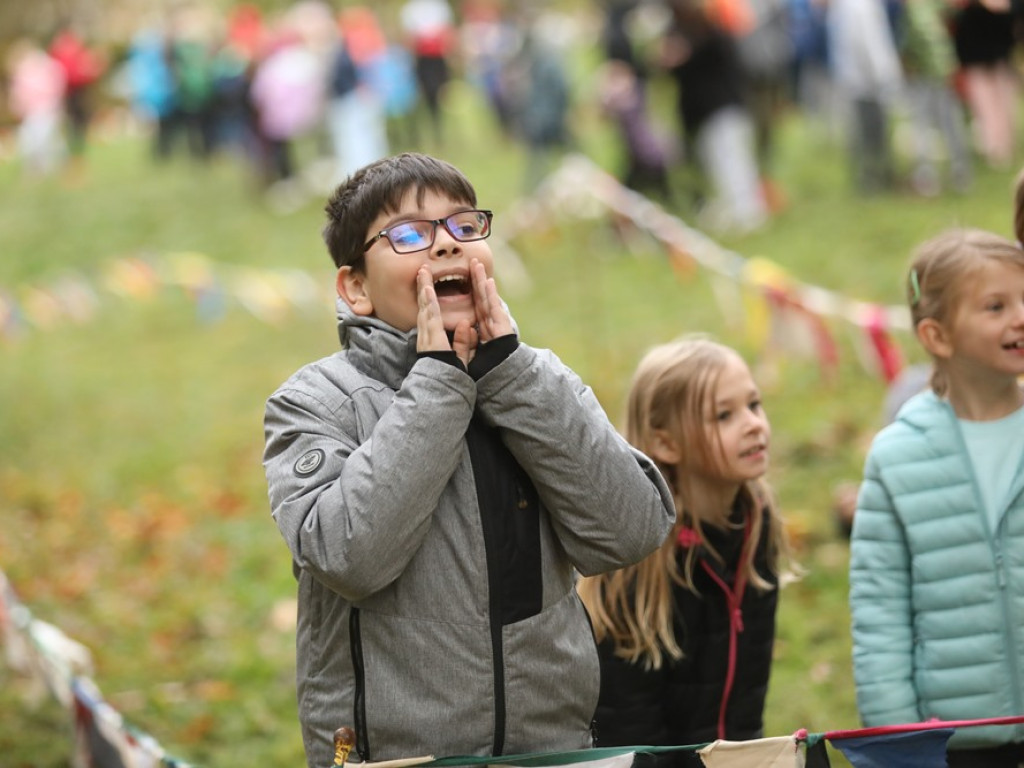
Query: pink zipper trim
point(734, 600)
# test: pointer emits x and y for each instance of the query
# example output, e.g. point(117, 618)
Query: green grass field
point(132, 499)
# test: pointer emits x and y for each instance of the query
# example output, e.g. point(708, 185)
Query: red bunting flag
point(889, 357)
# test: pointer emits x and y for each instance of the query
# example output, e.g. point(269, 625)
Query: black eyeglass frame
point(433, 231)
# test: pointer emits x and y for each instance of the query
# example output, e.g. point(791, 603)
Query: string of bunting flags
point(46, 656)
point(779, 312)
point(48, 659)
point(908, 745)
point(269, 294)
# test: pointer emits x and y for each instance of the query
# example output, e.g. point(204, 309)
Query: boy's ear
point(351, 287)
point(664, 448)
point(935, 338)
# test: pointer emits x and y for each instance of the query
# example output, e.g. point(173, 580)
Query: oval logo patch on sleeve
point(309, 462)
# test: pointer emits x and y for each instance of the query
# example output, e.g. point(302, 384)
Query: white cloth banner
point(776, 752)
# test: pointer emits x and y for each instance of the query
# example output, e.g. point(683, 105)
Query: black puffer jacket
point(717, 690)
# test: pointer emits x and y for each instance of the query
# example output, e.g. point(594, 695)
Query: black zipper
point(359, 703)
point(495, 619)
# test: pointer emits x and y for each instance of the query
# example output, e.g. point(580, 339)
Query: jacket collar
point(374, 347)
point(925, 411)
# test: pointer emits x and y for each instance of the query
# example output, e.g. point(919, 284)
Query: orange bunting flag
point(132, 278)
point(681, 261)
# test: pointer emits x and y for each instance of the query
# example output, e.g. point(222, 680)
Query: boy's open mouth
point(451, 285)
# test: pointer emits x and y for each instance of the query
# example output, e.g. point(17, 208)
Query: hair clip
point(916, 287)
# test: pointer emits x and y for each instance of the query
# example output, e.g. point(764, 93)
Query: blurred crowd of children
point(919, 91)
point(936, 75)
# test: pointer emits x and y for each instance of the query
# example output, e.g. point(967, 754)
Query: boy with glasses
point(440, 484)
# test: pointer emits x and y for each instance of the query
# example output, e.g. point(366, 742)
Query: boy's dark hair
point(378, 187)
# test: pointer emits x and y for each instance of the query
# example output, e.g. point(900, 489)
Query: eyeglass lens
point(416, 235)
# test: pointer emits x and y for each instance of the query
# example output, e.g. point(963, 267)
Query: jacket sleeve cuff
point(490, 355)
point(445, 356)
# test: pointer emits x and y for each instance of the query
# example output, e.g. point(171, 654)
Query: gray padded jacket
point(372, 485)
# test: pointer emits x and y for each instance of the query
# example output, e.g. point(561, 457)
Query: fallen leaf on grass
point(283, 615)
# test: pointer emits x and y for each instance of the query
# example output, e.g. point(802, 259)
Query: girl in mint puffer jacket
point(937, 553)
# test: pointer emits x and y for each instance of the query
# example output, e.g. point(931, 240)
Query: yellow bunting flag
point(192, 271)
point(761, 275)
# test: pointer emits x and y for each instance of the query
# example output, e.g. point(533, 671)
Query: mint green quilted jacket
point(936, 598)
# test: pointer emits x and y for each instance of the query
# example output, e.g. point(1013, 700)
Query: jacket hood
point(349, 320)
point(376, 347)
point(923, 411)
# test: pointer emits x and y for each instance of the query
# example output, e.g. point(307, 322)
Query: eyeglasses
point(418, 235)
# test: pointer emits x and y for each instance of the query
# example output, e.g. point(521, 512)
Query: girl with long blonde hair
point(685, 636)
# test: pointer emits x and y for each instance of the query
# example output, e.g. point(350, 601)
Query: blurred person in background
point(929, 62)
point(646, 153)
point(246, 32)
point(489, 40)
point(985, 38)
point(393, 76)
point(152, 86)
point(430, 35)
point(766, 53)
point(287, 94)
point(867, 72)
point(713, 110)
point(810, 76)
point(233, 56)
point(538, 85)
point(355, 109)
point(191, 58)
point(83, 67)
point(622, 90)
point(36, 92)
